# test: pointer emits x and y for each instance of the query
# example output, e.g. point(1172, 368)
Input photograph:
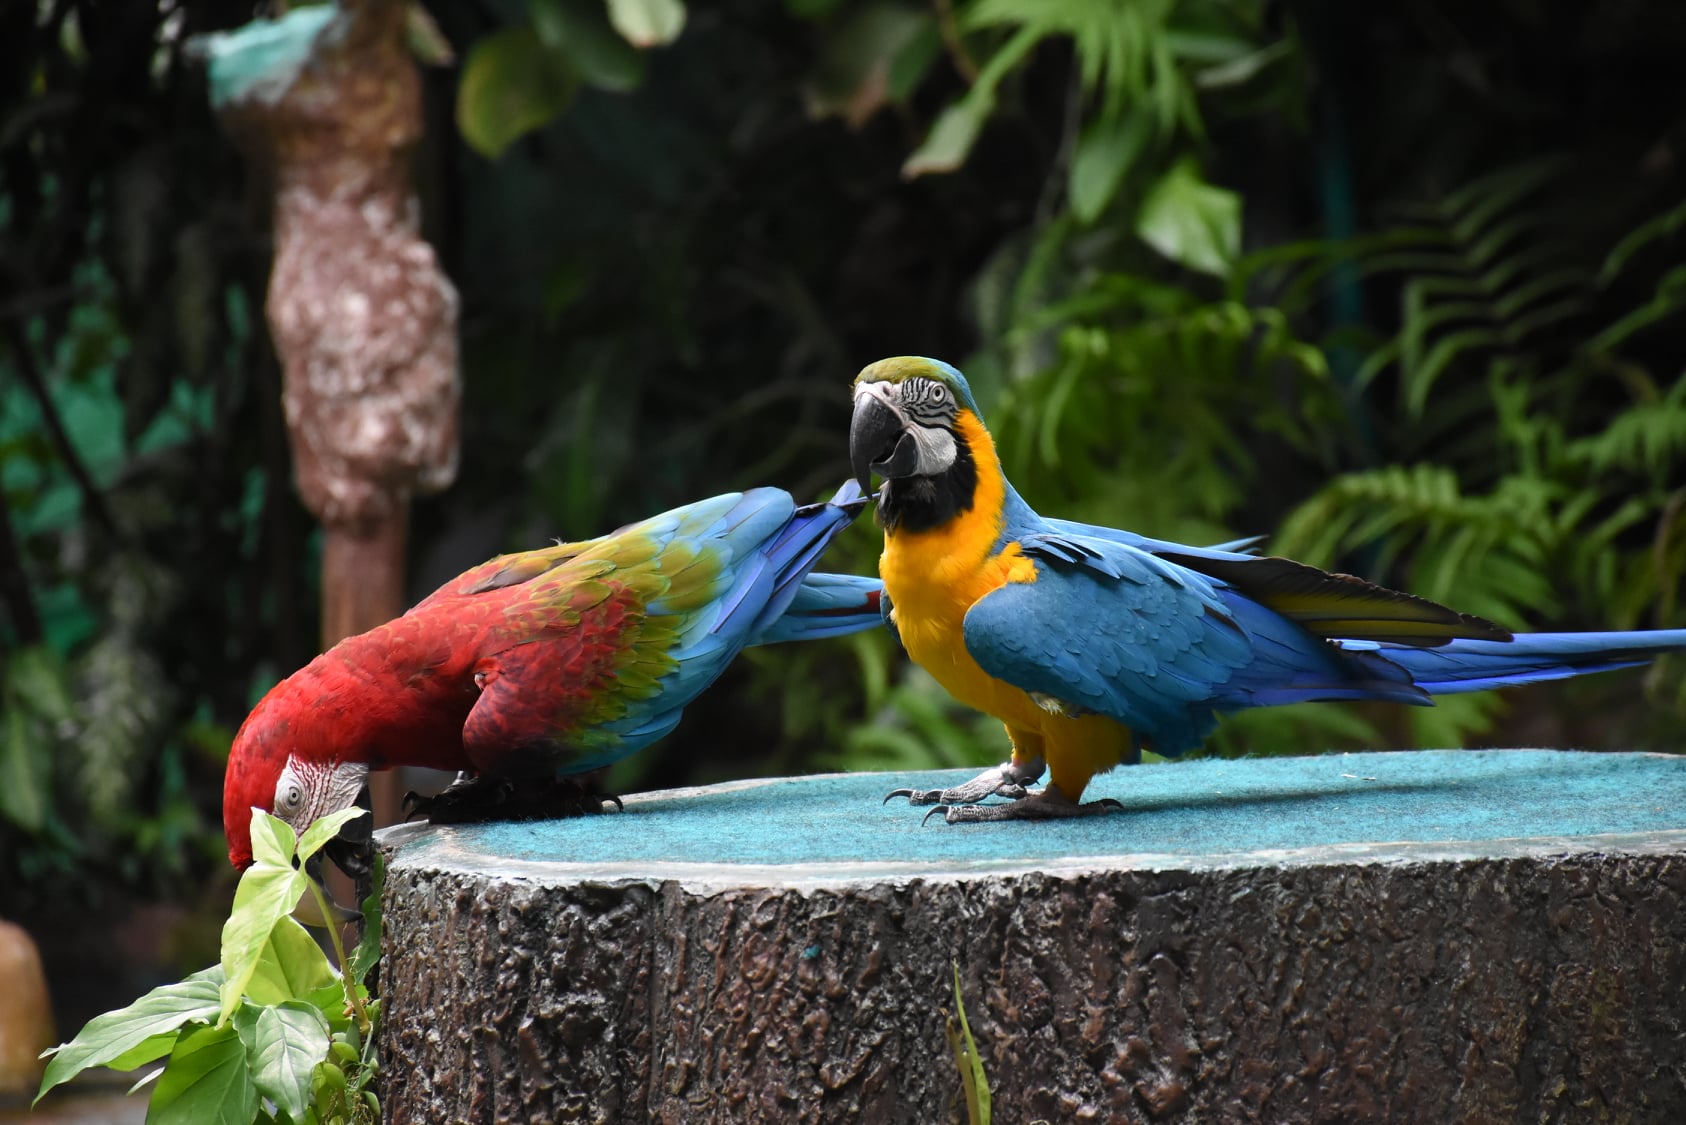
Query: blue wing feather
point(1111, 627)
point(766, 547)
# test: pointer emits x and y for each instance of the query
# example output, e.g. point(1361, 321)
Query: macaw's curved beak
point(880, 440)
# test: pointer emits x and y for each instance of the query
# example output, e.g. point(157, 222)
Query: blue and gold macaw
point(1092, 643)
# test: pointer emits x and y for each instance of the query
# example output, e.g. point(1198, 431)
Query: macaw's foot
point(1005, 780)
point(1041, 804)
point(483, 797)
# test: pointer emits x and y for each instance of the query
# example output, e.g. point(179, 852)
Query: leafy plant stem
point(352, 995)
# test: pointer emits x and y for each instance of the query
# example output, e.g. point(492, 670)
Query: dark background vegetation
point(1401, 283)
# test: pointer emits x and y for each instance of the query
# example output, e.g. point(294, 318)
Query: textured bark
point(1550, 988)
point(362, 316)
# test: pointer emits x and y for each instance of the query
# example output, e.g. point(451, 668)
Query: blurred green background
point(1399, 284)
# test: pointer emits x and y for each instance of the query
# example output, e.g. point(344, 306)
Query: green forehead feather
point(899, 369)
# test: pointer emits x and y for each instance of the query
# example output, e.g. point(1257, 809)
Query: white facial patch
point(936, 449)
point(306, 792)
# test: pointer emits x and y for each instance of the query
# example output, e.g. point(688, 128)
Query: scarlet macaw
point(549, 662)
point(1091, 643)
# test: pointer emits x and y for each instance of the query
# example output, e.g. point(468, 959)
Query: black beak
point(307, 910)
point(880, 441)
point(352, 850)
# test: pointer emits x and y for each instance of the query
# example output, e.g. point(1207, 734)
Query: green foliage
point(521, 77)
point(1566, 504)
point(511, 84)
point(270, 1034)
point(974, 1083)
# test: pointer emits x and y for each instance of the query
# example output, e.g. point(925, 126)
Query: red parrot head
point(285, 761)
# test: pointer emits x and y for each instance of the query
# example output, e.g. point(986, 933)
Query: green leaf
point(950, 139)
point(206, 1082)
point(325, 828)
point(1190, 221)
point(268, 891)
point(128, 1035)
point(36, 699)
point(25, 779)
point(580, 30)
point(368, 949)
point(865, 60)
point(424, 38)
point(290, 966)
point(648, 23)
point(148, 1050)
point(974, 1082)
point(511, 84)
point(330, 1001)
point(1104, 153)
point(283, 1045)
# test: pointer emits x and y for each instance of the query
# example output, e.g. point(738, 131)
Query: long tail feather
point(827, 605)
point(1476, 665)
point(787, 558)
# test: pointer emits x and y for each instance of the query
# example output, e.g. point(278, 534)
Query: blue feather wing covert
point(1112, 629)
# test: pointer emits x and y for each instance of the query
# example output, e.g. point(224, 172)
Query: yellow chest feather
point(932, 579)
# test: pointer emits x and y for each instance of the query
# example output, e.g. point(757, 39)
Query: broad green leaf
point(206, 1082)
point(950, 139)
point(580, 30)
point(290, 966)
point(127, 1034)
point(368, 949)
point(273, 841)
point(648, 23)
point(267, 893)
point(149, 1049)
point(1104, 153)
point(1190, 221)
point(323, 829)
point(283, 1045)
point(330, 1001)
point(511, 84)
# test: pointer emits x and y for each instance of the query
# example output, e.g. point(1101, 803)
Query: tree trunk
point(1280, 940)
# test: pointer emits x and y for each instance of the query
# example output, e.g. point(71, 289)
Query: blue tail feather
point(827, 605)
point(1477, 665)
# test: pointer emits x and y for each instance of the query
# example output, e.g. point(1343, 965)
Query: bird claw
point(1043, 804)
point(470, 799)
point(1006, 780)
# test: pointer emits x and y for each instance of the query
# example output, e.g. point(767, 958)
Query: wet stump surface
point(1475, 936)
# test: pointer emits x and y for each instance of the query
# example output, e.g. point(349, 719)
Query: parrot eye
point(289, 796)
point(938, 393)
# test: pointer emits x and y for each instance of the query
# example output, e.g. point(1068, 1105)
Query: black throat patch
point(926, 503)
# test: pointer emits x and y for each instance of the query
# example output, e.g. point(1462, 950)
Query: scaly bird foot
point(1005, 780)
point(1042, 804)
point(470, 799)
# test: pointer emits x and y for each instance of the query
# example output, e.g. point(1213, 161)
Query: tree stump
point(1429, 936)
